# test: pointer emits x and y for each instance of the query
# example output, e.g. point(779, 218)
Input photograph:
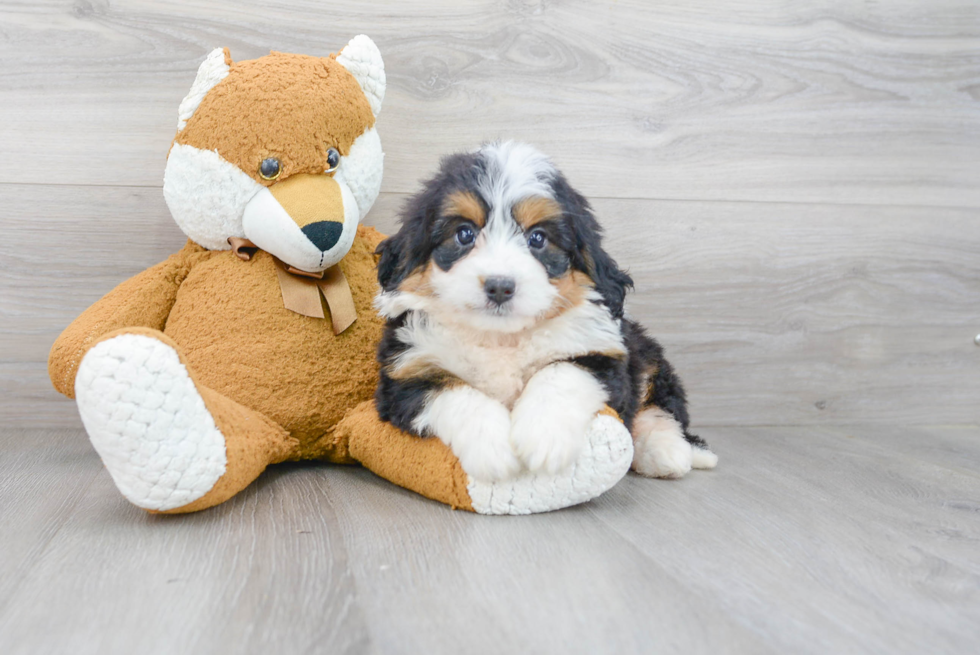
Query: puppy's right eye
point(465, 235)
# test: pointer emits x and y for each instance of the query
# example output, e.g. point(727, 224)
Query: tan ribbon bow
point(301, 291)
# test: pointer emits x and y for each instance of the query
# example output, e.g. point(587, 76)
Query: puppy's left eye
point(333, 159)
point(465, 235)
point(537, 240)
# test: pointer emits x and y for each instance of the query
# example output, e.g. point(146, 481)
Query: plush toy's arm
point(144, 300)
point(371, 237)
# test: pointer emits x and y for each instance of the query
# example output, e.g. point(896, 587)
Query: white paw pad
point(660, 449)
point(604, 460)
point(148, 422)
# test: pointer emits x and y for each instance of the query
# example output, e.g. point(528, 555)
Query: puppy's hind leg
point(659, 447)
point(701, 455)
point(663, 446)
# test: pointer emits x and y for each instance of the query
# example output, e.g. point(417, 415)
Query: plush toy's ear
point(363, 60)
point(214, 69)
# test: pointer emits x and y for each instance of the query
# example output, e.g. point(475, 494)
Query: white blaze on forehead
point(514, 171)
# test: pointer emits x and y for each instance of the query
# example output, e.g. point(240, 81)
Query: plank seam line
point(591, 197)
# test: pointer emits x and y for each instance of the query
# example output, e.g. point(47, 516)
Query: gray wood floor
point(805, 540)
point(794, 187)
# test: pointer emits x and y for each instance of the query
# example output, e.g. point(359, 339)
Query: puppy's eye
point(536, 240)
point(465, 235)
point(270, 168)
point(333, 159)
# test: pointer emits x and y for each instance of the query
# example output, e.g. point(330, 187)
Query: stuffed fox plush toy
point(255, 344)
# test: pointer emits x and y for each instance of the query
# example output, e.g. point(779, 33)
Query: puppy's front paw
point(476, 428)
point(485, 452)
point(551, 417)
point(548, 438)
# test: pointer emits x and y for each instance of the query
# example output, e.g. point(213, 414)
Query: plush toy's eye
point(333, 159)
point(270, 168)
point(537, 239)
point(465, 235)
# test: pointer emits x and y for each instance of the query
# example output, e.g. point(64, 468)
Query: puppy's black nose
point(324, 234)
point(499, 289)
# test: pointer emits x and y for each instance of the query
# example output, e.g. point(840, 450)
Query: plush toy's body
point(234, 354)
point(228, 318)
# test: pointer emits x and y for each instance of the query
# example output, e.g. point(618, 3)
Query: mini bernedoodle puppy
point(505, 330)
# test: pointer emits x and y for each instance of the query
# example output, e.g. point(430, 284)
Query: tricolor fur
point(505, 330)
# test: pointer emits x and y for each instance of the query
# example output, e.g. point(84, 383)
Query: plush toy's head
point(281, 151)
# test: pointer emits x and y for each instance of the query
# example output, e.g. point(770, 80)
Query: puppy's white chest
point(498, 371)
point(500, 365)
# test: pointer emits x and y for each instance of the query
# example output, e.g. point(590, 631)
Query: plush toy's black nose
point(324, 234)
point(499, 289)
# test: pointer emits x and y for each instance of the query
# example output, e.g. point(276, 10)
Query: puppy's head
point(500, 241)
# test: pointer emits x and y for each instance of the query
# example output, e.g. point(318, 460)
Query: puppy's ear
point(411, 248)
point(391, 252)
point(610, 281)
point(405, 251)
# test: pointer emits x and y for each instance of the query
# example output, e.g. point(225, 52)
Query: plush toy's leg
point(169, 444)
point(428, 467)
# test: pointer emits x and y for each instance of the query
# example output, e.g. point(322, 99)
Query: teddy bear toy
point(255, 343)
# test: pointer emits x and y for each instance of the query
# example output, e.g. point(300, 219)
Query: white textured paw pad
point(604, 461)
point(148, 422)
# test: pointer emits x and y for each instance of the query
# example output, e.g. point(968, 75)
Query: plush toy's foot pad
point(604, 461)
point(148, 422)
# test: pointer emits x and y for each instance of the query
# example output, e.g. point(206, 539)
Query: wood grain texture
point(773, 313)
point(829, 101)
point(268, 571)
point(793, 186)
point(806, 540)
point(857, 543)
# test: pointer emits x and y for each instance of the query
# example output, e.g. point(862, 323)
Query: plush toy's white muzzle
point(307, 221)
point(211, 200)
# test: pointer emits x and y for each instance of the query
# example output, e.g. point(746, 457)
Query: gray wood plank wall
point(794, 185)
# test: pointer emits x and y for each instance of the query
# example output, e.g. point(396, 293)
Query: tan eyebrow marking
point(465, 204)
point(534, 210)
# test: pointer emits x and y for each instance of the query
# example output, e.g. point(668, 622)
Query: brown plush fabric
point(291, 107)
point(233, 330)
point(609, 411)
point(144, 300)
point(426, 466)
